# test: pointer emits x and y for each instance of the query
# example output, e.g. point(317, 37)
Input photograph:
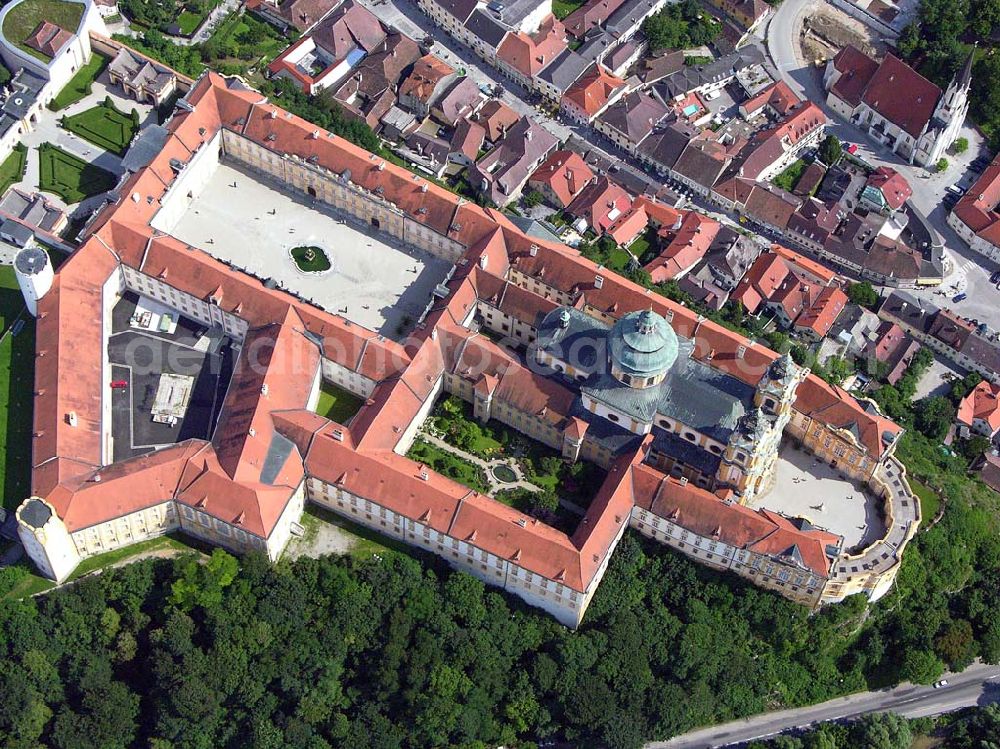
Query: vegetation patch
point(504, 474)
point(337, 404)
point(791, 175)
point(448, 464)
point(22, 20)
point(17, 379)
point(105, 126)
point(683, 25)
point(70, 177)
point(12, 169)
point(562, 8)
point(81, 84)
point(310, 259)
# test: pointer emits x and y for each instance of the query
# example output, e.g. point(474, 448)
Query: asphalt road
point(979, 684)
point(967, 271)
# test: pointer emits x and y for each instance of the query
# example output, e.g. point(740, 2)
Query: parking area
point(253, 225)
point(139, 356)
point(811, 489)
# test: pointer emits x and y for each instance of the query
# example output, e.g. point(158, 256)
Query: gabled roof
point(565, 173)
point(982, 403)
point(634, 115)
point(592, 91)
point(529, 54)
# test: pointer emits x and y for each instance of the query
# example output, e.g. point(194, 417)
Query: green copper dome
point(643, 344)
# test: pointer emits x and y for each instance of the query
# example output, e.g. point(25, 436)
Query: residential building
point(300, 15)
point(592, 93)
point(561, 178)
point(976, 218)
point(426, 82)
point(503, 171)
point(979, 411)
point(631, 119)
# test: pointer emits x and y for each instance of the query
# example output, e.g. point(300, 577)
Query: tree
point(961, 145)
point(830, 150)
point(863, 294)
point(934, 416)
point(942, 164)
point(921, 667)
point(202, 584)
point(881, 731)
point(533, 198)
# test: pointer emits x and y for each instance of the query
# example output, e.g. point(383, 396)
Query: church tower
point(949, 115)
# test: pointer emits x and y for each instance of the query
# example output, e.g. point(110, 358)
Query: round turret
point(643, 347)
point(34, 275)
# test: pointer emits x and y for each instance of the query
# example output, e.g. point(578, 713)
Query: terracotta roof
point(685, 247)
point(778, 97)
point(48, 38)
point(856, 69)
point(977, 209)
point(893, 185)
point(423, 79)
point(496, 117)
point(821, 316)
point(565, 173)
point(589, 16)
point(529, 54)
point(901, 95)
point(600, 203)
point(982, 403)
point(592, 91)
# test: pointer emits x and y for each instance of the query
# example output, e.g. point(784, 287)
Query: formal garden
point(175, 17)
point(310, 259)
point(22, 20)
point(453, 421)
point(105, 126)
point(12, 168)
point(70, 177)
point(81, 84)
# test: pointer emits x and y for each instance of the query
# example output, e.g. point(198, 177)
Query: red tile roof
point(982, 403)
point(893, 185)
point(685, 247)
point(593, 90)
point(529, 54)
point(565, 173)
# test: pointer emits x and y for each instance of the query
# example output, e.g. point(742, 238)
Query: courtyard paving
point(813, 490)
point(253, 225)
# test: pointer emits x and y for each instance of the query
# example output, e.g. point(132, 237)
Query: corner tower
point(46, 539)
point(33, 269)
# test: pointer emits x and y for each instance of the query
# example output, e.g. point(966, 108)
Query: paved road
point(968, 272)
point(978, 684)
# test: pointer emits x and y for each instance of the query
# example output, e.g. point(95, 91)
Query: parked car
point(939, 684)
point(955, 190)
point(851, 148)
point(959, 297)
point(995, 276)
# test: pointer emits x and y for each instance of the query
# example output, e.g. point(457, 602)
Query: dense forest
point(399, 651)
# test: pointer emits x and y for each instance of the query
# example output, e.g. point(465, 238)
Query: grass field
point(336, 403)
point(69, 177)
point(930, 502)
point(81, 84)
point(24, 19)
point(12, 168)
point(105, 126)
point(189, 22)
point(17, 381)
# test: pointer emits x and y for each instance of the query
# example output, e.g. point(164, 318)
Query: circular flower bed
point(504, 474)
point(310, 259)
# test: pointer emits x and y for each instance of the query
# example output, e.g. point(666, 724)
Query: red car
point(119, 384)
point(852, 148)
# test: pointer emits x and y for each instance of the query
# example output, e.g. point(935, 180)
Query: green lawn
point(24, 19)
point(620, 259)
point(930, 502)
point(319, 262)
point(80, 85)
point(450, 465)
point(12, 168)
point(336, 403)
point(562, 8)
point(788, 178)
point(17, 380)
point(189, 22)
point(105, 126)
point(645, 245)
point(69, 177)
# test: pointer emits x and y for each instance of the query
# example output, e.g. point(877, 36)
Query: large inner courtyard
point(254, 225)
point(809, 488)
